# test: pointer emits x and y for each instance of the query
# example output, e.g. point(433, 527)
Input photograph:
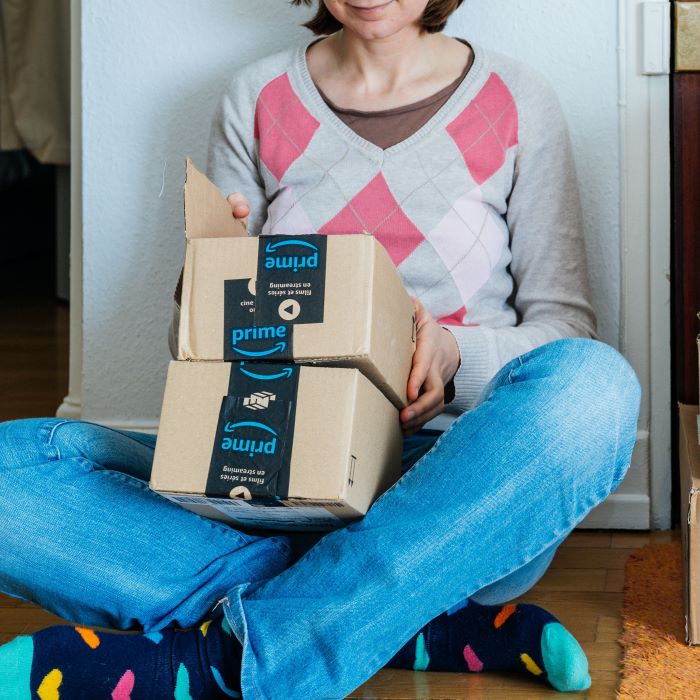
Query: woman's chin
point(378, 30)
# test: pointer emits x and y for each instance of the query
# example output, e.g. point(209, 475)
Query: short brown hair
point(434, 18)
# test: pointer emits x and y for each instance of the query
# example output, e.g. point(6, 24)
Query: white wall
point(152, 72)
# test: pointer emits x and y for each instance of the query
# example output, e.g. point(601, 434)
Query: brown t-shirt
point(387, 127)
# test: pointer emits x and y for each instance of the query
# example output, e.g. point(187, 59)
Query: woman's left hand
point(435, 363)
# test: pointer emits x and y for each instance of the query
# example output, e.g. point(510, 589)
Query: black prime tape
point(291, 282)
point(244, 339)
point(252, 450)
point(290, 289)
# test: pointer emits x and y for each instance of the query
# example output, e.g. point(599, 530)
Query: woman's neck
point(385, 65)
point(402, 68)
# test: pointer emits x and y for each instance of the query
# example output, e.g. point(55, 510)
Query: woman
point(463, 170)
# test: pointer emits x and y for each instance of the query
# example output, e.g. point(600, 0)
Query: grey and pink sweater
point(478, 209)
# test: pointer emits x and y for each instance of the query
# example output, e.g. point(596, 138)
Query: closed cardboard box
point(279, 446)
point(330, 300)
point(689, 451)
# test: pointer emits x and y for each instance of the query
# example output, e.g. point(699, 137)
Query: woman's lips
point(373, 10)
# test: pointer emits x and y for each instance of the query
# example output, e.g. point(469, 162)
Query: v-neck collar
point(302, 68)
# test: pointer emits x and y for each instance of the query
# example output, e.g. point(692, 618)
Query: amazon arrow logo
point(286, 373)
point(278, 347)
point(295, 263)
point(272, 247)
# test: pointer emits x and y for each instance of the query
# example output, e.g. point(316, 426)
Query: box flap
point(207, 212)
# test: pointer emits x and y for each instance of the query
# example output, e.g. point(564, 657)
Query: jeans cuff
point(233, 612)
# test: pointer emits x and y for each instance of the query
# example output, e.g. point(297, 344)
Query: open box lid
point(207, 212)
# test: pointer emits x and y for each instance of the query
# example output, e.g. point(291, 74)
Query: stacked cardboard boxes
point(294, 353)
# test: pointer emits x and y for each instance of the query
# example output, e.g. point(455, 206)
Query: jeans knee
point(71, 438)
point(611, 392)
point(596, 378)
point(32, 441)
point(607, 381)
point(590, 389)
point(26, 441)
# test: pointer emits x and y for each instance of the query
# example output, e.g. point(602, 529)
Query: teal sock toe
point(564, 659)
point(16, 669)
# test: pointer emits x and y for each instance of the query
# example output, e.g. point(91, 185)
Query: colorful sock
point(473, 637)
point(79, 662)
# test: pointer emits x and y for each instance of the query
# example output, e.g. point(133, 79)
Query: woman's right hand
point(239, 207)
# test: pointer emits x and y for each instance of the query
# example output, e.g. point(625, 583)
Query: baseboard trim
point(69, 408)
point(620, 511)
point(139, 426)
point(72, 410)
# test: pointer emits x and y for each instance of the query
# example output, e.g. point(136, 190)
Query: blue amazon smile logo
point(271, 333)
point(246, 445)
point(286, 373)
point(278, 259)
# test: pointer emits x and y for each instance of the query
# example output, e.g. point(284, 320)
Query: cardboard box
point(689, 454)
point(280, 446)
point(331, 300)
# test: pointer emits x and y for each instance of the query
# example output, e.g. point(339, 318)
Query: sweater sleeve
point(232, 163)
point(544, 218)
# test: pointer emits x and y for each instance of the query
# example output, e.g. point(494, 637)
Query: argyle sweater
point(479, 209)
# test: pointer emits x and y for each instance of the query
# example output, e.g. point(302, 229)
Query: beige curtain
point(35, 78)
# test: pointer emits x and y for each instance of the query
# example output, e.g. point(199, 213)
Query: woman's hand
point(435, 363)
point(239, 207)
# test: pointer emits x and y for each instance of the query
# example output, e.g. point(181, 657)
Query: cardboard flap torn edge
point(207, 212)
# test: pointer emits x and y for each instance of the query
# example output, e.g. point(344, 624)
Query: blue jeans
point(478, 513)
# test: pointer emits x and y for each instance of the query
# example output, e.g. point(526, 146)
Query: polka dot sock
point(79, 662)
point(473, 637)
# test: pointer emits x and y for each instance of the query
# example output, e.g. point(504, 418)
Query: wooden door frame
point(645, 290)
point(71, 407)
point(685, 120)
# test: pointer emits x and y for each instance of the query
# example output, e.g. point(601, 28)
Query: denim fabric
point(552, 436)
point(478, 513)
point(84, 536)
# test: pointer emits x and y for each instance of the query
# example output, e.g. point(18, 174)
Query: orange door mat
point(656, 663)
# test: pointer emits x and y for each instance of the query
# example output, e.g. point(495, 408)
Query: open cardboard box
point(278, 446)
point(330, 300)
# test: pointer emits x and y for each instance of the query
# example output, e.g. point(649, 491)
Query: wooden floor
point(583, 587)
point(33, 350)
